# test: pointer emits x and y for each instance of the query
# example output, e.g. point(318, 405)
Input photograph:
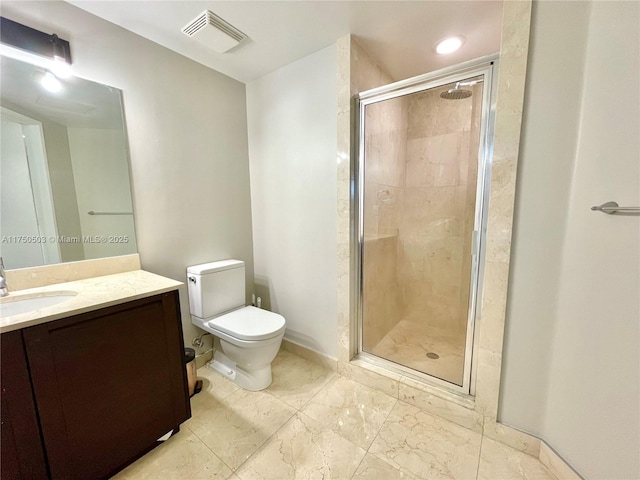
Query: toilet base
point(253, 380)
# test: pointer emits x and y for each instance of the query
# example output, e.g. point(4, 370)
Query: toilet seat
point(249, 324)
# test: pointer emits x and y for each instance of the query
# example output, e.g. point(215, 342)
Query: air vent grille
point(210, 19)
point(196, 25)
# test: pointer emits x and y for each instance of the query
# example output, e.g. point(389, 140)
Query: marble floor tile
point(409, 342)
point(427, 446)
point(214, 384)
point(260, 436)
point(182, 457)
point(236, 426)
point(501, 461)
point(350, 409)
point(303, 449)
point(372, 468)
point(296, 380)
point(215, 388)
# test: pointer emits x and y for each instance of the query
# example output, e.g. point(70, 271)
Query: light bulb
point(449, 45)
point(60, 68)
point(50, 82)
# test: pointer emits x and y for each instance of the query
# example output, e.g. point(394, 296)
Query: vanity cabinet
point(22, 451)
point(107, 384)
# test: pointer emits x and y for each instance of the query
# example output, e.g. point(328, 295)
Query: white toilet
point(250, 337)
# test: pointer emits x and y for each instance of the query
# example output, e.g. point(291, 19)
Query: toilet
point(249, 337)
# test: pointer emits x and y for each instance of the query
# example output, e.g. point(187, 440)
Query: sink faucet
point(4, 290)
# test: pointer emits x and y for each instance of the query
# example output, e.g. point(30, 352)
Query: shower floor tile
point(409, 342)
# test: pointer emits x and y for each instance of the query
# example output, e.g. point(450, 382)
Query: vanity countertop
point(92, 294)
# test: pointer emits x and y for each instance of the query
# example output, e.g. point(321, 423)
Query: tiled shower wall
point(439, 200)
point(420, 189)
point(385, 147)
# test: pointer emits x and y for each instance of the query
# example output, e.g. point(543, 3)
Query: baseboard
point(512, 437)
point(309, 354)
point(203, 358)
point(527, 443)
point(556, 464)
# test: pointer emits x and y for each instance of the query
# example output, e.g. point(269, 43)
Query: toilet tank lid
point(215, 266)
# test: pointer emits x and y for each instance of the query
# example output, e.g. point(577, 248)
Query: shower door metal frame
point(486, 67)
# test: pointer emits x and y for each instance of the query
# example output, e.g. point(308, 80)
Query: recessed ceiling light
point(449, 45)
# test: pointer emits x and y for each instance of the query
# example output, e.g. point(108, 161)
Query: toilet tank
point(216, 287)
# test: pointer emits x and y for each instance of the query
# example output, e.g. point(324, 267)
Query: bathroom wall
point(63, 189)
point(420, 190)
point(572, 356)
point(292, 150)
point(18, 208)
point(439, 201)
point(186, 127)
point(384, 179)
point(384, 172)
point(101, 176)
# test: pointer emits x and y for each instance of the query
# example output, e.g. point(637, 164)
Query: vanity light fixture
point(35, 47)
point(449, 44)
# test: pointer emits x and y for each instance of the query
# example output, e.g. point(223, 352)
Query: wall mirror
point(64, 172)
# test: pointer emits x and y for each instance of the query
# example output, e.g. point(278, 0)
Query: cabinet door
point(22, 453)
point(108, 384)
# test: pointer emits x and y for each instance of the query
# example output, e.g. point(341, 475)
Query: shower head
point(456, 93)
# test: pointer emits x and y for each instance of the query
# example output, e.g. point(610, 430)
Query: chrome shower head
point(456, 93)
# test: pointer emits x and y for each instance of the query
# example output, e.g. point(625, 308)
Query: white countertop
point(92, 294)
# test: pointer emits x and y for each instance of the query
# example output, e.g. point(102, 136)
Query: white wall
point(186, 127)
point(63, 190)
point(593, 400)
point(101, 177)
point(582, 352)
point(547, 152)
point(18, 209)
point(292, 123)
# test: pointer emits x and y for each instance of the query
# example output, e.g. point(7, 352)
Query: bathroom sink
point(18, 304)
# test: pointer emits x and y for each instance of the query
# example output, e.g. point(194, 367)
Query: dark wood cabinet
point(22, 452)
point(107, 384)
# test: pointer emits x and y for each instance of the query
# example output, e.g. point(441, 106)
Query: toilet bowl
point(249, 337)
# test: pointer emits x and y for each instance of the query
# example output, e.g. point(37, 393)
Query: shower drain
point(433, 356)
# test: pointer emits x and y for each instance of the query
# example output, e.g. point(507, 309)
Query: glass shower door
point(419, 217)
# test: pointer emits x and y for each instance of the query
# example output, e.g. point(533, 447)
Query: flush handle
point(192, 279)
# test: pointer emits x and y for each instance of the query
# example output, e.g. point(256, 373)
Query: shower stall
point(420, 190)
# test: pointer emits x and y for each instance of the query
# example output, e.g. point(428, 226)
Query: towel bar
point(613, 207)
point(109, 213)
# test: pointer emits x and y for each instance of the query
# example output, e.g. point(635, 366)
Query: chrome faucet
point(4, 290)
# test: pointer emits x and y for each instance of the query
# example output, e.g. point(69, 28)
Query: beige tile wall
point(380, 284)
point(384, 177)
point(435, 234)
point(418, 184)
point(33, 277)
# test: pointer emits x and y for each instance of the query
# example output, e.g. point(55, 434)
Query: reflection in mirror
point(64, 172)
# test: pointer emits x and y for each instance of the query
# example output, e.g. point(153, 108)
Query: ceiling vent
point(212, 31)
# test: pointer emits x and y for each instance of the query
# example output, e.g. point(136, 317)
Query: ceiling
point(399, 35)
point(81, 103)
